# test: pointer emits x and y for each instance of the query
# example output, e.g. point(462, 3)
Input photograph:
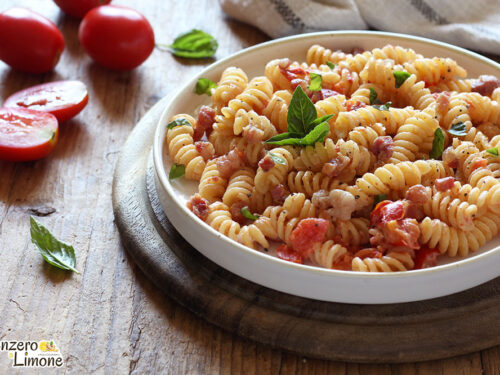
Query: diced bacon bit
point(418, 194)
point(413, 210)
point(228, 164)
point(206, 119)
point(206, 149)
point(266, 163)
point(235, 211)
point(445, 183)
point(321, 199)
point(479, 163)
point(335, 166)
point(253, 134)
point(199, 206)
point(316, 96)
point(343, 204)
point(327, 93)
point(308, 232)
point(383, 147)
point(357, 50)
point(293, 73)
point(450, 158)
point(285, 253)
point(485, 85)
point(279, 194)
point(299, 82)
point(352, 105)
point(403, 232)
point(443, 101)
point(368, 253)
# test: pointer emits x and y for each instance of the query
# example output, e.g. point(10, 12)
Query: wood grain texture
point(111, 319)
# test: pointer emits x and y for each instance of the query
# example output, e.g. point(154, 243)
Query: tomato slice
point(426, 258)
point(64, 99)
point(285, 253)
point(26, 134)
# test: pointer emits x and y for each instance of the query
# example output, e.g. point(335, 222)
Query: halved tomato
point(26, 134)
point(64, 99)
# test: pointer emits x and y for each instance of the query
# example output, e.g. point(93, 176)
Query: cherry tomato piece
point(26, 134)
point(79, 8)
point(29, 42)
point(307, 233)
point(285, 253)
point(64, 99)
point(387, 211)
point(116, 37)
point(426, 258)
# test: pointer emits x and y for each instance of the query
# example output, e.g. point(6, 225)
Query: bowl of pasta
point(355, 167)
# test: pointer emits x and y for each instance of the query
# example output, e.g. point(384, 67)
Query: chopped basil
point(437, 144)
point(245, 211)
point(176, 171)
point(374, 97)
point(277, 159)
point(379, 198)
point(194, 44)
point(383, 107)
point(53, 251)
point(178, 122)
point(330, 65)
point(315, 82)
point(205, 86)
point(401, 76)
point(493, 151)
point(458, 129)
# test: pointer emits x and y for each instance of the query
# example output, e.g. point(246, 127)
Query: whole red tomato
point(79, 8)
point(116, 37)
point(28, 41)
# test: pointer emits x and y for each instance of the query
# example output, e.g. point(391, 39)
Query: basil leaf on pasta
point(458, 129)
point(379, 198)
point(493, 151)
point(245, 211)
point(178, 122)
point(315, 82)
point(383, 107)
point(195, 44)
point(205, 86)
point(277, 159)
point(318, 134)
point(437, 144)
point(401, 76)
point(374, 97)
point(330, 65)
point(176, 171)
point(282, 136)
point(301, 112)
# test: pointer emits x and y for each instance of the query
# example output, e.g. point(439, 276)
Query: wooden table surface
point(110, 318)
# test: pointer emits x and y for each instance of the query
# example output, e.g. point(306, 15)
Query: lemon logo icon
point(43, 346)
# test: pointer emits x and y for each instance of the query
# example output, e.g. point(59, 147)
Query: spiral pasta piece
point(384, 264)
point(436, 70)
point(277, 109)
point(212, 186)
point(220, 219)
point(319, 55)
point(351, 232)
point(257, 233)
point(232, 83)
point(327, 254)
point(265, 180)
point(308, 182)
point(255, 97)
point(239, 187)
point(245, 120)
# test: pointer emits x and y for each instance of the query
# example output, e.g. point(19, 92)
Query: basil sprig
point(437, 144)
point(245, 211)
point(316, 82)
point(53, 251)
point(194, 44)
point(458, 129)
point(176, 171)
point(204, 86)
point(178, 122)
point(304, 127)
point(401, 76)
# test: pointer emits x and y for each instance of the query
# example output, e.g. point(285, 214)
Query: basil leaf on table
point(195, 44)
point(401, 76)
point(53, 251)
point(458, 129)
point(437, 144)
point(316, 82)
point(204, 86)
point(178, 122)
point(176, 171)
point(301, 112)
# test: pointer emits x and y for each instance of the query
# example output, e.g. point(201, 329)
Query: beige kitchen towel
point(473, 24)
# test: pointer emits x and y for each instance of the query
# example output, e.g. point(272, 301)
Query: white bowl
point(303, 280)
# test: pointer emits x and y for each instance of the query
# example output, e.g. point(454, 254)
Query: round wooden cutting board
point(443, 327)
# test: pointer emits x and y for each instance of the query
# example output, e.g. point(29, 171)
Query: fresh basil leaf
point(205, 86)
point(458, 129)
point(245, 211)
point(176, 171)
point(301, 112)
point(291, 141)
point(379, 198)
point(374, 97)
point(318, 134)
point(178, 122)
point(318, 121)
point(315, 82)
point(383, 107)
point(277, 159)
point(282, 136)
point(53, 251)
point(401, 76)
point(330, 65)
point(195, 44)
point(493, 151)
point(437, 144)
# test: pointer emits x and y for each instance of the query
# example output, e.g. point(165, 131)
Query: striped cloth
point(473, 24)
